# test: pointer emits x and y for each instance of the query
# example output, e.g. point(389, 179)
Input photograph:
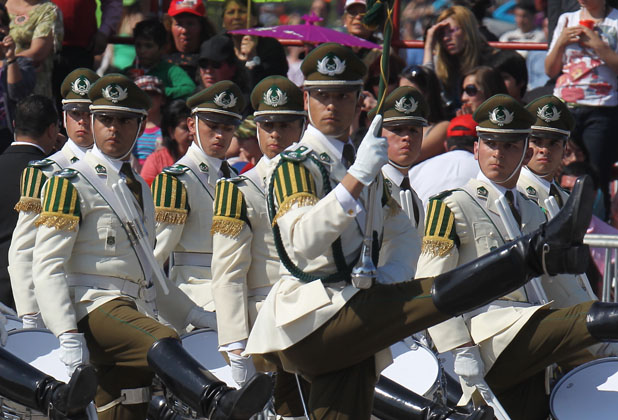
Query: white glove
point(200, 318)
point(242, 368)
point(372, 154)
point(469, 365)
point(32, 321)
point(73, 351)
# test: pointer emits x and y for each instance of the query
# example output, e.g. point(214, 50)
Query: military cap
point(503, 118)
point(222, 103)
point(276, 98)
point(404, 106)
point(75, 88)
point(334, 67)
point(553, 118)
point(118, 94)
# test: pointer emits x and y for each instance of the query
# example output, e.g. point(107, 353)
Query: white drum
point(13, 323)
point(589, 391)
point(203, 346)
point(415, 367)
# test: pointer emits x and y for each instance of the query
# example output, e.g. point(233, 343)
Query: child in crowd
point(150, 39)
point(152, 137)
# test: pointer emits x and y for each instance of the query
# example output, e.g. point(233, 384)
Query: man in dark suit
point(36, 130)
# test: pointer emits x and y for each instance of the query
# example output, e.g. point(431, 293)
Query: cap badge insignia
point(80, 86)
point(225, 99)
point(275, 97)
point(331, 65)
point(501, 116)
point(115, 93)
point(548, 113)
point(406, 105)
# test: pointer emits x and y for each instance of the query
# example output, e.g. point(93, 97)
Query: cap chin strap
point(123, 157)
point(64, 121)
point(197, 135)
point(398, 166)
point(523, 155)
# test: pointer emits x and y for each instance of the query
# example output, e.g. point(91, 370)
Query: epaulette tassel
point(226, 226)
point(436, 246)
point(171, 216)
point(60, 222)
point(301, 199)
point(29, 204)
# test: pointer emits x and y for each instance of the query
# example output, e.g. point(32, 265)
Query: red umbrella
point(308, 32)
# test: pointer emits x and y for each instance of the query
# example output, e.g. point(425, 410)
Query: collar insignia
point(324, 157)
point(531, 191)
point(501, 116)
point(482, 192)
point(115, 93)
point(548, 113)
point(74, 159)
point(406, 105)
point(81, 86)
point(225, 99)
point(331, 65)
point(100, 170)
point(275, 97)
point(203, 167)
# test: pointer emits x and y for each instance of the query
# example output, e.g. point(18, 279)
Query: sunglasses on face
point(214, 64)
point(471, 90)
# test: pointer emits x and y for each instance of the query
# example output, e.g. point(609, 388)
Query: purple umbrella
point(308, 32)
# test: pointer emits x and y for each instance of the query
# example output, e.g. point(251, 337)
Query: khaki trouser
point(338, 358)
point(550, 336)
point(118, 338)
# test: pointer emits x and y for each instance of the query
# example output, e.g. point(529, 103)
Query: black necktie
point(553, 191)
point(511, 200)
point(348, 155)
point(225, 170)
point(405, 184)
point(132, 183)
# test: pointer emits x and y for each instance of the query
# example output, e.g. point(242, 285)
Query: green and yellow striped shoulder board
point(170, 198)
point(60, 203)
point(230, 209)
point(31, 185)
point(440, 234)
point(293, 184)
point(176, 169)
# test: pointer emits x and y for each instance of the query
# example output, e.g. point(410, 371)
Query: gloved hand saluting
point(372, 154)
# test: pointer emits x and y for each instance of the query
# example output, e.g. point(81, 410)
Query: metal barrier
point(610, 243)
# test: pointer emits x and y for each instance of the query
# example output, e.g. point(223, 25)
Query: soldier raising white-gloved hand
point(372, 154)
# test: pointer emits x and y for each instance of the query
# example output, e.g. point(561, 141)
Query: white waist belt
point(126, 287)
point(198, 259)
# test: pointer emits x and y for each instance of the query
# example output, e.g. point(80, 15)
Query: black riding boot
point(602, 321)
point(29, 386)
point(394, 402)
point(556, 247)
point(201, 390)
point(158, 409)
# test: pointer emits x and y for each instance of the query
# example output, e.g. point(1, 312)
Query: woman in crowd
point(479, 84)
point(176, 140)
point(584, 54)
point(37, 29)
point(262, 56)
point(434, 134)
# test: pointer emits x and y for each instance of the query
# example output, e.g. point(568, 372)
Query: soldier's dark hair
point(33, 115)
point(151, 29)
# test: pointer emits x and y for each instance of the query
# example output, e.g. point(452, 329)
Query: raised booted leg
point(602, 321)
point(29, 386)
point(394, 402)
point(201, 390)
point(556, 247)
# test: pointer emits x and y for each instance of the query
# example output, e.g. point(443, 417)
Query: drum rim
point(195, 332)
point(573, 372)
point(43, 330)
point(435, 385)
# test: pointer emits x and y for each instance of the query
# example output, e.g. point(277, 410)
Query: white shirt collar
point(78, 151)
point(114, 163)
point(27, 143)
point(499, 188)
point(393, 174)
point(334, 146)
point(545, 183)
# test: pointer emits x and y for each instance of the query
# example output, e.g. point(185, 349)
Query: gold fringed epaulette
point(171, 216)
point(29, 205)
point(58, 221)
point(226, 226)
point(300, 199)
point(436, 246)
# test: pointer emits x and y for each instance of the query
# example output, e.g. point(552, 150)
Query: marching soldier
point(314, 320)
point(245, 260)
point(76, 117)
point(509, 342)
point(184, 192)
point(93, 266)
